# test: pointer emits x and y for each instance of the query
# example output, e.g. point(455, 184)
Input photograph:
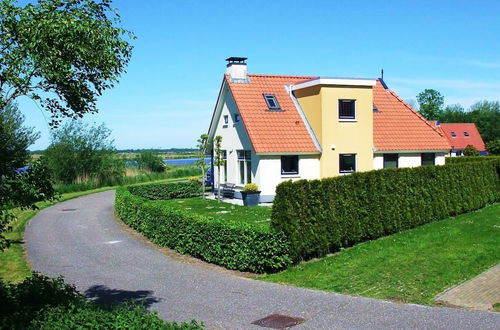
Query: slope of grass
point(13, 264)
point(412, 266)
point(259, 216)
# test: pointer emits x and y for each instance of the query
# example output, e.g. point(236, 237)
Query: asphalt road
point(81, 240)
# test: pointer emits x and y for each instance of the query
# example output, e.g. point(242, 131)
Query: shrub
point(470, 150)
point(148, 160)
point(158, 191)
point(493, 147)
point(467, 159)
point(233, 245)
point(250, 188)
point(322, 216)
point(40, 302)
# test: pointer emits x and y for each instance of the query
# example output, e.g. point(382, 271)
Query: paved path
point(481, 292)
point(81, 240)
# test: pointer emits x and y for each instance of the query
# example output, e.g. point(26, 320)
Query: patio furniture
point(228, 190)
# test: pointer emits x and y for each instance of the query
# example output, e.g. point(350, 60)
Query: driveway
point(81, 240)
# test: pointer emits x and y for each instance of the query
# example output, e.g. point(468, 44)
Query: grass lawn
point(259, 216)
point(412, 266)
point(13, 264)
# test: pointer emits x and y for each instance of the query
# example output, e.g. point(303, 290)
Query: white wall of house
point(269, 172)
point(234, 138)
point(408, 159)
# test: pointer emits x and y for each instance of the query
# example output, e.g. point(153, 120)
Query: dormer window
point(347, 109)
point(453, 134)
point(466, 133)
point(272, 102)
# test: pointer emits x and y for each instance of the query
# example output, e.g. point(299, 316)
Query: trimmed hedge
point(466, 159)
point(322, 216)
point(159, 191)
point(233, 245)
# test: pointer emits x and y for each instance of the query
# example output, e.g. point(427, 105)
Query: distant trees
point(431, 103)
point(493, 147)
point(150, 161)
point(81, 152)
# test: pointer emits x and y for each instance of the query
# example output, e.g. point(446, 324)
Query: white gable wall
point(234, 137)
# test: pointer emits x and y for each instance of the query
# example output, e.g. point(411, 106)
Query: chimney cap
point(236, 60)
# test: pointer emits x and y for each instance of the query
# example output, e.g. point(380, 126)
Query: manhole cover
point(277, 321)
point(68, 210)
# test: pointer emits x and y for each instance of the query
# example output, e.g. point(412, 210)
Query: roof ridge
point(414, 112)
point(280, 75)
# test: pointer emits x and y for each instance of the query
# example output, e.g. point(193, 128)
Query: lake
point(184, 161)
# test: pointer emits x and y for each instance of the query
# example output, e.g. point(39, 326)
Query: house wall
point(234, 137)
point(340, 136)
point(269, 173)
point(407, 159)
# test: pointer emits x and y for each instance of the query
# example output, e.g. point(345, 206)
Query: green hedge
point(162, 191)
point(235, 245)
point(322, 216)
point(466, 159)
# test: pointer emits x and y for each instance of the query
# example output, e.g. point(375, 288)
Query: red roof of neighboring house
point(396, 126)
point(461, 140)
point(271, 131)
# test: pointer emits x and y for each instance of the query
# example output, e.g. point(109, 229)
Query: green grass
point(259, 216)
point(412, 266)
point(13, 264)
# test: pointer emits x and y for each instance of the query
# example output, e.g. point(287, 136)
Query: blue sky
point(167, 96)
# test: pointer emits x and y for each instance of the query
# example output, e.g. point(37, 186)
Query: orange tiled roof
point(396, 126)
point(271, 131)
point(460, 141)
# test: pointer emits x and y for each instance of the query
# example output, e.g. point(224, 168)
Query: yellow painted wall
point(321, 110)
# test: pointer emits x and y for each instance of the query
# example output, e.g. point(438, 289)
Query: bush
point(148, 160)
point(235, 245)
point(162, 191)
point(40, 302)
point(467, 159)
point(493, 147)
point(470, 150)
point(322, 216)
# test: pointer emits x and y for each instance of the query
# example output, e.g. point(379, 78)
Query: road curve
point(81, 240)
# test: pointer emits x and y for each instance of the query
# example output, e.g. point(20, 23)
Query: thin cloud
point(482, 64)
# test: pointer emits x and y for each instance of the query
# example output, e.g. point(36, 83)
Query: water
point(184, 161)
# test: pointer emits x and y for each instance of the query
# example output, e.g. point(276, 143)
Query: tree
point(218, 161)
point(61, 53)
point(18, 187)
point(148, 160)
point(453, 113)
point(486, 115)
point(493, 147)
point(431, 104)
point(81, 152)
point(203, 146)
point(470, 150)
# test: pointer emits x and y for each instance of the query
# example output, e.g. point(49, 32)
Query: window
point(466, 133)
point(428, 158)
point(245, 166)
point(224, 157)
point(347, 109)
point(347, 163)
point(236, 118)
point(272, 102)
point(226, 119)
point(453, 134)
point(390, 160)
point(289, 165)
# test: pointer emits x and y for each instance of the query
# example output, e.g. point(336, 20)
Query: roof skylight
point(272, 102)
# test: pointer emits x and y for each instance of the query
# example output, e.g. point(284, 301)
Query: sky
point(166, 97)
